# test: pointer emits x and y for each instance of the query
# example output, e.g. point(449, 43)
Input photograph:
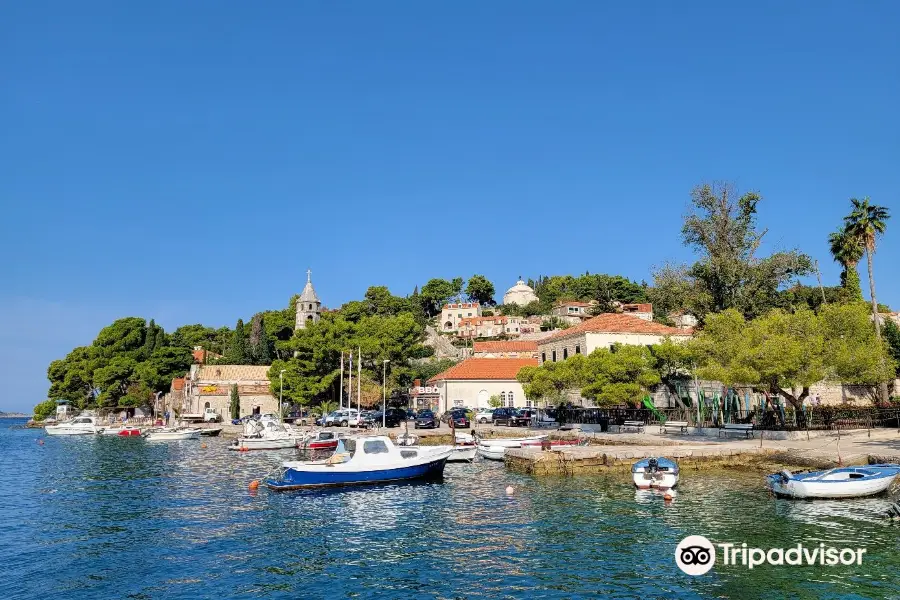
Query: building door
point(483, 399)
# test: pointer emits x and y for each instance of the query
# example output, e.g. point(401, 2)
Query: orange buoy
point(203, 446)
point(244, 449)
point(254, 485)
point(668, 497)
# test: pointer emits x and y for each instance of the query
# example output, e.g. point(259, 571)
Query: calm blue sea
point(105, 517)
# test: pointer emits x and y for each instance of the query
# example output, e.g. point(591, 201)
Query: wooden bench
point(639, 425)
point(681, 425)
point(747, 429)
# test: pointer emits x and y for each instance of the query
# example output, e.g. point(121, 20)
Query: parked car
point(484, 415)
point(393, 418)
point(507, 416)
point(459, 417)
point(425, 419)
point(528, 413)
point(340, 418)
point(363, 419)
point(410, 414)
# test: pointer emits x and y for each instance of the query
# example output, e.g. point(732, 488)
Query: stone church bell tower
point(309, 308)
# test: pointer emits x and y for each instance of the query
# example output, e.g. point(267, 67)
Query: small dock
point(586, 460)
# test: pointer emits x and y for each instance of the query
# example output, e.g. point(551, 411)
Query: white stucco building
point(520, 294)
point(453, 314)
point(472, 383)
point(603, 331)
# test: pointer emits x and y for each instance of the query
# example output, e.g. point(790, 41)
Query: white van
point(341, 418)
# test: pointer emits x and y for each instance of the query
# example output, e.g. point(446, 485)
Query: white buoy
point(510, 490)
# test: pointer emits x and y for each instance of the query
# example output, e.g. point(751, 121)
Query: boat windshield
point(375, 447)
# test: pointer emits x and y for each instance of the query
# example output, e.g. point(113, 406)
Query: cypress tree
point(235, 405)
point(259, 342)
point(237, 353)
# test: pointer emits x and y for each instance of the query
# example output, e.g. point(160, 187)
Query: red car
point(460, 419)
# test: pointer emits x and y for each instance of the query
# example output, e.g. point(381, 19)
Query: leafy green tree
point(324, 407)
point(866, 222)
point(149, 339)
point(122, 336)
point(674, 361)
point(722, 229)
point(114, 378)
point(847, 250)
point(44, 409)
point(234, 405)
point(494, 401)
point(438, 292)
point(238, 352)
point(892, 337)
point(480, 289)
point(550, 381)
point(619, 375)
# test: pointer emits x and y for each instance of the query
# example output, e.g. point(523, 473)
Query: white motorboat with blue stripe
point(363, 460)
point(843, 482)
point(656, 473)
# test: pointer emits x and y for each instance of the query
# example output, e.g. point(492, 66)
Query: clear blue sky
point(188, 161)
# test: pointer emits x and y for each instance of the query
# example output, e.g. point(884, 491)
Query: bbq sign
point(418, 391)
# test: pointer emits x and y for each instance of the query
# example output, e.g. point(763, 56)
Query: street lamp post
point(384, 393)
point(281, 396)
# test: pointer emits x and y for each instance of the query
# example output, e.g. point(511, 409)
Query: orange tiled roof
point(618, 323)
point(463, 305)
point(178, 384)
point(486, 368)
point(517, 346)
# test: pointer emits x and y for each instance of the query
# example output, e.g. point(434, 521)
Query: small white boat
point(407, 439)
point(495, 449)
point(166, 433)
point(491, 452)
point(76, 426)
point(373, 459)
point(655, 473)
point(463, 453)
point(843, 482)
point(265, 435)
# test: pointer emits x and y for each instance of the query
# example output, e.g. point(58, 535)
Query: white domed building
point(520, 294)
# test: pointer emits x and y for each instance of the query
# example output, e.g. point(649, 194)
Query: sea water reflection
point(108, 517)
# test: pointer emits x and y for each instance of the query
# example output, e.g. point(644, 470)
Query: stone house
point(209, 386)
point(473, 381)
point(506, 349)
point(572, 311)
point(485, 327)
point(603, 331)
point(453, 314)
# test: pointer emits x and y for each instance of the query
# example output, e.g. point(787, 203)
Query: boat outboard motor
point(652, 466)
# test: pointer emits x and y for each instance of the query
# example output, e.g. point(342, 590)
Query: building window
point(528, 404)
point(565, 353)
point(577, 349)
point(457, 403)
point(543, 357)
point(553, 356)
point(510, 399)
point(502, 398)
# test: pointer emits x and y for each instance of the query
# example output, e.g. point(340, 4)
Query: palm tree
point(847, 251)
point(866, 222)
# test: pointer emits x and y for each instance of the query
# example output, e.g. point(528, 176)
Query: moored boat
point(657, 473)
point(321, 440)
point(369, 460)
point(166, 433)
point(123, 431)
point(264, 435)
point(76, 426)
point(495, 449)
point(842, 482)
point(465, 453)
point(211, 431)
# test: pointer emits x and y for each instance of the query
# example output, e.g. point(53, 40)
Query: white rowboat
point(844, 482)
point(165, 434)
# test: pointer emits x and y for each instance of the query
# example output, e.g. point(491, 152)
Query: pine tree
point(160, 338)
point(238, 353)
point(235, 406)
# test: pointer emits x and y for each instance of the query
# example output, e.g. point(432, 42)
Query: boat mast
point(341, 392)
point(358, 384)
point(350, 383)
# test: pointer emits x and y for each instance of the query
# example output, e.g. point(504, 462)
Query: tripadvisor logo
point(696, 555)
